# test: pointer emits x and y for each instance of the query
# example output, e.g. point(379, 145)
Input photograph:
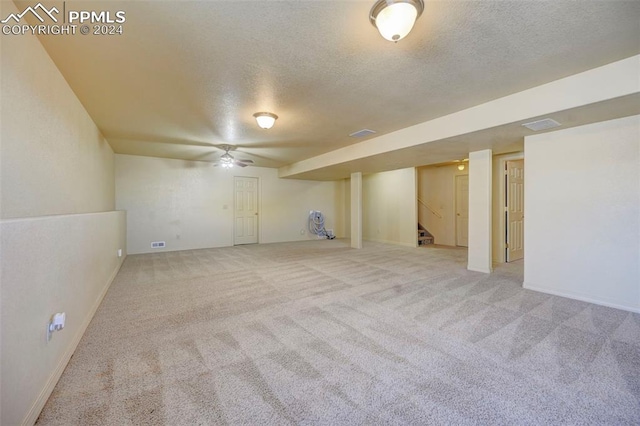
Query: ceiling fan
point(227, 160)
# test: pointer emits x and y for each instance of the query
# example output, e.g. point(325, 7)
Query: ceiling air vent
point(362, 133)
point(544, 124)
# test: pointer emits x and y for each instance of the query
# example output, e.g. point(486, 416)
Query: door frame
point(258, 204)
point(508, 218)
point(502, 221)
point(455, 203)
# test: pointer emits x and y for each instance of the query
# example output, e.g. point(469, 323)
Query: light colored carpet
point(318, 333)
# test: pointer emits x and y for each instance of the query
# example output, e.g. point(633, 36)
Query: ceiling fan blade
point(239, 164)
point(247, 161)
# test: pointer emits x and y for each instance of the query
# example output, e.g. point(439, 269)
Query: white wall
point(480, 197)
point(436, 187)
point(54, 159)
point(189, 204)
point(56, 252)
point(390, 207)
point(582, 213)
point(62, 263)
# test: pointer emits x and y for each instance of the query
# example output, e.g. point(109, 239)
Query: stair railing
point(431, 209)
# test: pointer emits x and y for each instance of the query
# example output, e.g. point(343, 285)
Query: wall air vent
point(158, 244)
point(544, 124)
point(362, 133)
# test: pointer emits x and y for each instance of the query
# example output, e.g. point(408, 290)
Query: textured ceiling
point(188, 75)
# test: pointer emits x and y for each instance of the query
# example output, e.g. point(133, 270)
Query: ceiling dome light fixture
point(461, 163)
point(265, 120)
point(395, 18)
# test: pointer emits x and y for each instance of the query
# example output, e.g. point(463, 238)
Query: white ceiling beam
point(611, 81)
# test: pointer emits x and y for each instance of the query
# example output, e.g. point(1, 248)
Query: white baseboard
point(397, 243)
point(578, 296)
point(479, 269)
point(44, 395)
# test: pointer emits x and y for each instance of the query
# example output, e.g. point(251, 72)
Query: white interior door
point(462, 210)
point(515, 210)
point(245, 230)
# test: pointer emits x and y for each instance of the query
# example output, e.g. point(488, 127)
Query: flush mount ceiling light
point(265, 120)
point(461, 165)
point(395, 18)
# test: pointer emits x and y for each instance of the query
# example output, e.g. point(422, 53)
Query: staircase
point(424, 237)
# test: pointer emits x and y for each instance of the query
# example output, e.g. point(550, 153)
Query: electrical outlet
point(56, 324)
point(302, 231)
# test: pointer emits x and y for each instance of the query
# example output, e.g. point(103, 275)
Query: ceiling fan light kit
point(227, 161)
point(265, 120)
point(394, 19)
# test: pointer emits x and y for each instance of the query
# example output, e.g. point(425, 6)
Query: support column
point(479, 254)
point(356, 210)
